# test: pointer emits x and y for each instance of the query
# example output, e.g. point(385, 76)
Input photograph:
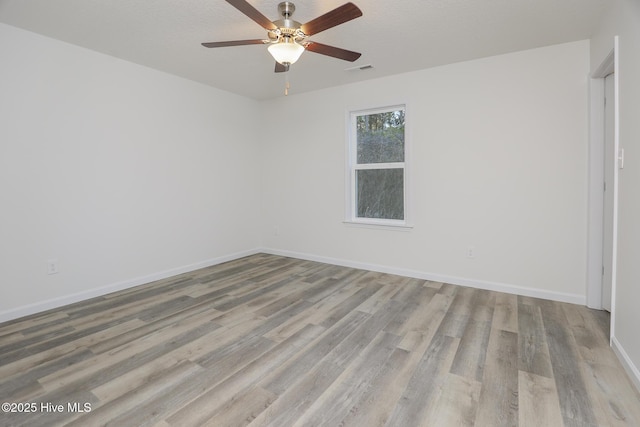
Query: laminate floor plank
point(426, 382)
point(533, 351)
point(267, 340)
point(243, 410)
point(379, 299)
point(347, 305)
point(351, 387)
point(591, 341)
point(304, 361)
point(374, 407)
point(505, 315)
point(424, 324)
point(23, 384)
point(201, 409)
point(538, 401)
point(138, 376)
point(612, 405)
point(123, 334)
point(104, 375)
point(456, 404)
point(293, 296)
point(498, 404)
point(574, 400)
point(327, 287)
point(259, 291)
point(469, 361)
point(38, 320)
point(297, 395)
point(34, 361)
point(103, 305)
point(132, 396)
point(415, 298)
point(316, 314)
point(94, 371)
point(387, 388)
point(459, 313)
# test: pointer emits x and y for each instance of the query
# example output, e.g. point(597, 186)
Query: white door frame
point(596, 179)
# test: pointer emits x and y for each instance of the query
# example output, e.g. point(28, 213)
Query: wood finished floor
point(273, 341)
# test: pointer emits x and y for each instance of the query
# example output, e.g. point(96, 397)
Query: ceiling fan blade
point(281, 68)
point(233, 43)
point(335, 52)
point(337, 16)
point(252, 13)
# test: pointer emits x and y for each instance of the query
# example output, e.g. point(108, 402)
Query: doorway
point(603, 185)
point(609, 167)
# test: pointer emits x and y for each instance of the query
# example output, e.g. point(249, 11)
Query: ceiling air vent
point(360, 67)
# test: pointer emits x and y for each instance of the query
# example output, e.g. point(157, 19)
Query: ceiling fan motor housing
point(286, 9)
point(287, 27)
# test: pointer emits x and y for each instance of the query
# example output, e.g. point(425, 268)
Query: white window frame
point(353, 167)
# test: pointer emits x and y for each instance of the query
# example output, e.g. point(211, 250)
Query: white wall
point(499, 161)
point(121, 173)
point(624, 21)
point(124, 174)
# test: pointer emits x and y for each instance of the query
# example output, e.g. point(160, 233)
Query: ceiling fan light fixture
point(287, 39)
point(286, 51)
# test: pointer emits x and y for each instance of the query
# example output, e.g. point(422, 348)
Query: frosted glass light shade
point(286, 51)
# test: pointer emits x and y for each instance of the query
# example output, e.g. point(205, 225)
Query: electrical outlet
point(52, 266)
point(471, 252)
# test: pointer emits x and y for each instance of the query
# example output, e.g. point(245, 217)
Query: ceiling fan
point(287, 39)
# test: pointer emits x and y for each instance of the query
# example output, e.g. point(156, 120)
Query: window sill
point(379, 225)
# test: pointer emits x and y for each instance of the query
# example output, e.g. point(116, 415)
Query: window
point(377, 173)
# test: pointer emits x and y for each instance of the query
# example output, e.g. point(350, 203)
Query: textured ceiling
point(393, 36)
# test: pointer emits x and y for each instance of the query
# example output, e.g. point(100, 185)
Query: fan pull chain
point(286, 84)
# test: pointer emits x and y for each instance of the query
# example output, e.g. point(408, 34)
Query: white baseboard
point(626, 361)
point(96, 292)
point(462, 281)
point(118, 286)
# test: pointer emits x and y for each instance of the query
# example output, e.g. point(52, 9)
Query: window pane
point(380, 137)
point(380, 193)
